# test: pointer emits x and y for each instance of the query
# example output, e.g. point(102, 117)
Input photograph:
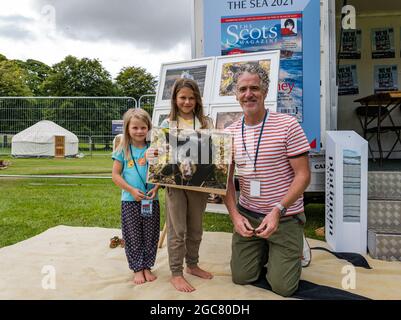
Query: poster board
point(230, 15)
point(348, 80)
point(197, 160)
point(385, 78)
point(225, 115)
point(200, 70)
point(351, 44)
point(383, 43)
point(224, 90)
point(159, 114)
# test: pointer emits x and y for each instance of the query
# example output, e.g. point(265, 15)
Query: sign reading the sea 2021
point(235, 27)
point(242, 34)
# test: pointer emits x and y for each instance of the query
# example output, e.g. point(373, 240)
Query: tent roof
point(43, 132)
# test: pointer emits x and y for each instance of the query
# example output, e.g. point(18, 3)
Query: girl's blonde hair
point(198, 111)
point(136, 113)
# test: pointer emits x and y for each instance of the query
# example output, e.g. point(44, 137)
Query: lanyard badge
point(146, 208)
point(255, 185)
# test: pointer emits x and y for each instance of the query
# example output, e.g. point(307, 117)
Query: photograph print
point(194, 73)
point(199, 70)
point(229, 69)
point(225, 115)
point(226, 119)
point(227, 66)
point(191, 159)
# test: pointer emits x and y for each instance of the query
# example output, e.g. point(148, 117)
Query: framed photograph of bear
point(196, 160)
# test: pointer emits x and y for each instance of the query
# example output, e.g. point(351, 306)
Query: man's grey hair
point(253, 68)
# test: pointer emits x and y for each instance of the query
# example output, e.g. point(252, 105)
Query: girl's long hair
point(136, 113)
point(198, 111)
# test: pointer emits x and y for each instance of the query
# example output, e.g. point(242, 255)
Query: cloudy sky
point(119, 33)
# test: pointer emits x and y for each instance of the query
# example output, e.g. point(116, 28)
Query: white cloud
point(29, 29)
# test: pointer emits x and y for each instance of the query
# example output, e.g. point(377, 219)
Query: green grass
point(99, 164)
point(31, 206)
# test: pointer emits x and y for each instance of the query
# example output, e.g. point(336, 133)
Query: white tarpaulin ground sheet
point(83, 266)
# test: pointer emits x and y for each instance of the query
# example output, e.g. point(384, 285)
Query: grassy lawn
point(31, 206)
point(99, 164)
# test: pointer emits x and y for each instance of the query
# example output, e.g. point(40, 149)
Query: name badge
point(255, 188)
point(146, 208)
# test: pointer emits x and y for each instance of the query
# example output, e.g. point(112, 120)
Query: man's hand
point(242, 226)
point(269, 224)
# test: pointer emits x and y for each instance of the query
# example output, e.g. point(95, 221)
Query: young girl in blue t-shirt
point(140, 212)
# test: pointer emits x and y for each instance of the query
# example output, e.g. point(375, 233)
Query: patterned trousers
point(141, 234)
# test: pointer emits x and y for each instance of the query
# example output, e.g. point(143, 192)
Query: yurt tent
point(44, 139)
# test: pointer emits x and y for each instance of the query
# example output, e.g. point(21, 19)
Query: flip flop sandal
point(122, 243)
point(114, 242)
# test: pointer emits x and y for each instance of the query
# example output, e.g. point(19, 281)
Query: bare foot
point(149, 276)
point(196, 271)
point(181, 284)
point(139, 277)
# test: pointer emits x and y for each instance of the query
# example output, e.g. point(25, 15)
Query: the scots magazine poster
point(244, 34)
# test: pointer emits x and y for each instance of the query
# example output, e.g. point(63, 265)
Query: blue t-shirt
point(130, 173)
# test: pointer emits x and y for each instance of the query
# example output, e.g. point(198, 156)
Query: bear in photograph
point(191, 159)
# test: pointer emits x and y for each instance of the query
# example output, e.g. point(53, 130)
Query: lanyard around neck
point(260, 138)
point(145, 184)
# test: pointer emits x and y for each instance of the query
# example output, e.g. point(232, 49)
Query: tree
point(13, 83)
point(37, 72)
point(79, 77)
point(135, 82)
point(13, 80)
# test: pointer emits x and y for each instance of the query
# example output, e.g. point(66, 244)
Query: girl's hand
point(137, 194)
point(151, 154)
point(152, 193)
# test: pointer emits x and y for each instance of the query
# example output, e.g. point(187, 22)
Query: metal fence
point(83, 116)
point(89, 118)
point(147, 103)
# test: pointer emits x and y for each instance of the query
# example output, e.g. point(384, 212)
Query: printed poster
point(351, 44)
point(255, 33)
point(385, 78)
point(197, 73)
point(347, 80)
point(383, 43)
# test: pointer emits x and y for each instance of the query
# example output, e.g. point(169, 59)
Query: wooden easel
point(163, 235)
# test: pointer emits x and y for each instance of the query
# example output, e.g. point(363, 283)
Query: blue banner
point(116, 127)
point(268, 32)
point(293, 26)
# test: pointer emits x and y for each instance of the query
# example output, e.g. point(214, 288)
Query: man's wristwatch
point(283, 210)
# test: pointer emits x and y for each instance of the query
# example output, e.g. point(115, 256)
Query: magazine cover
point(383, 43)
point(244, 34)
point(196, 160)
point(385, 78)
point(351, 44)
point(347, 80)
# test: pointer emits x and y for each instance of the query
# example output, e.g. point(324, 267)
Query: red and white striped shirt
point(282, 138)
